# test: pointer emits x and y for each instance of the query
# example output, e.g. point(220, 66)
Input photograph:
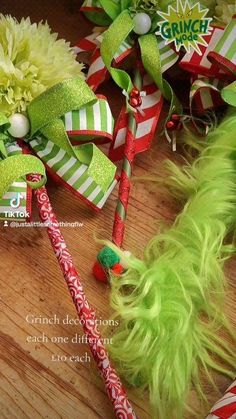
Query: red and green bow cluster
point(212, 73)
point(211, 76)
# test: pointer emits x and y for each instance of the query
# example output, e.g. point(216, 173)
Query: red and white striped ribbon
point(98, 72)
point(147, 120)
point(200, 64)
point(205, 93)
point(87, 44)
point(225, 408)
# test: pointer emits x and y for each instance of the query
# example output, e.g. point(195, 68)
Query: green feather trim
point(170, 306)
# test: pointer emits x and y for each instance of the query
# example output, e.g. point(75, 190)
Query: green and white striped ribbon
point(91, 120)
point(75, 174)
point(17, 189)
point(168, 56)
point(125, 46)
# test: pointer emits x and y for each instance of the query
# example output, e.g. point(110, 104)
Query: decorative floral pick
point(43, 101)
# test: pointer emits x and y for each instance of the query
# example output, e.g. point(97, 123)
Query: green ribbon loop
point(115, 35)
point(228, 94)
point(111, 7)
point(100, 167)
point(152, 63)
point(44, 111)
point(16, 167)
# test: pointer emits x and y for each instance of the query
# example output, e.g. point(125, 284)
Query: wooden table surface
point(32, 384)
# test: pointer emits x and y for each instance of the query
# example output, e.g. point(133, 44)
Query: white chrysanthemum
point(32, 59)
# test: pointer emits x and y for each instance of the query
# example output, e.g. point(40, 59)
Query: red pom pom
point(117, 269)
point(99, 272)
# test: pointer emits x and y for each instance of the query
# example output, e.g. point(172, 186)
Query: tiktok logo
point(16, 202)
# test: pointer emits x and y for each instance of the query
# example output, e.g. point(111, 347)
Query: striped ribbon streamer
point(224, 53)
point(73, 174)
point(151, 104)
point(95, 120)
point(200, 64)
point(147, 121)
point(19, 194)
point(150, 109)
point(211, 84)
point(205, 94)
point(168, 56)
point(225, 408)
point(87, 44)
point(98, 72)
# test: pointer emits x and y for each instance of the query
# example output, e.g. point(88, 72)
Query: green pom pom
point(107, 257)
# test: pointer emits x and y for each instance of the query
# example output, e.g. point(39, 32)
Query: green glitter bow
point(46, 114)
point(120, 17)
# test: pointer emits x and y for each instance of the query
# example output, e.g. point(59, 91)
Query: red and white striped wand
point(114, 388)
point(225, 408)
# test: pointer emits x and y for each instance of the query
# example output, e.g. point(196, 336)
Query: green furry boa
point(170, 305)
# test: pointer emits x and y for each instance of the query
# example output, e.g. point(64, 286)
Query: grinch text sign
point(186, 26)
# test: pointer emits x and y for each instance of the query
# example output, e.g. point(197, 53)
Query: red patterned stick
point(225, 408)
point(129, 154)
point(115, 390)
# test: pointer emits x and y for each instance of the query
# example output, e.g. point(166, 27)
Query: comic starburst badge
point(186, 26)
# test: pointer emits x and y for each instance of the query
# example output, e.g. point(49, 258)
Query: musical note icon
point(15, 202)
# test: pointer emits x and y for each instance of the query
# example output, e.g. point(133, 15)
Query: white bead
point(123, 262)
point(142, 23)
point(20, 125)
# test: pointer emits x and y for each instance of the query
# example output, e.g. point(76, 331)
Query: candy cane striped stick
point(225, 408)
point(114, 388)
point(125, 180)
